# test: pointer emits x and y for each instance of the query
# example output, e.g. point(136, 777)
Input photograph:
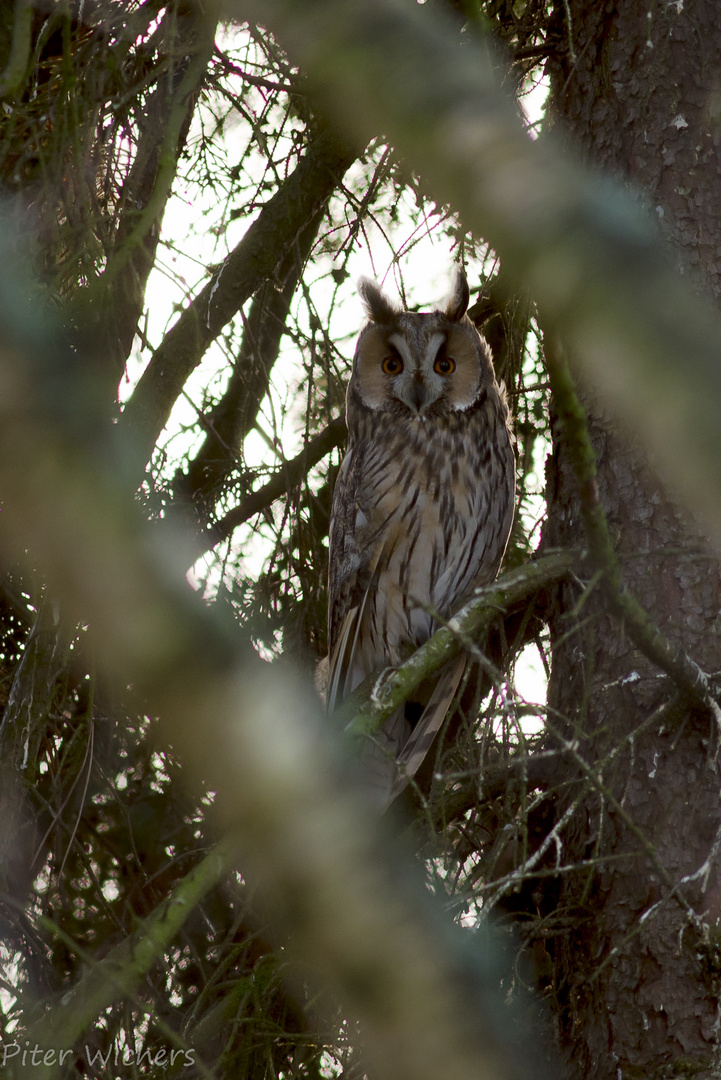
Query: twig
point(254, 80)
point(281, 481)
point(569, 32)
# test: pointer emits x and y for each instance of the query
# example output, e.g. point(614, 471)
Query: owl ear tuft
point(379, 308)
point(457, 303)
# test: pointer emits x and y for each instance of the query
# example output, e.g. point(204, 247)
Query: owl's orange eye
point(444, 365)
point(392, 365)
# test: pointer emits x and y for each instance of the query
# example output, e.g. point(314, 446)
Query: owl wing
point(343, 665)
point(353, 564)
point(357, 548)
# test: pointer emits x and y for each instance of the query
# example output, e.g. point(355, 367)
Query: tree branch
point(233, 417)
point(122, 970)
point(163, 130)
point(395, 685)
point(541, 769)
point(15, 71)
point(282, 481)
point(252, 262)
point(637, 623)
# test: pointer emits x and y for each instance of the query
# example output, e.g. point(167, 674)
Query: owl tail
point(420, 740)
point(378, 758)
point(394, 754)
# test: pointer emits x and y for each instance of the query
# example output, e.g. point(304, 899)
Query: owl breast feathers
point(422, 509)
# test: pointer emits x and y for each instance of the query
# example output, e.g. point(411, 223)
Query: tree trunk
point(637, 977)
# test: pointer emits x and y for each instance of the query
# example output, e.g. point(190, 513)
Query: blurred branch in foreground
point(351, 906)
point(118, 974)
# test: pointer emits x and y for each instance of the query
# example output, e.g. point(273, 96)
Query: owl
point(421, 511)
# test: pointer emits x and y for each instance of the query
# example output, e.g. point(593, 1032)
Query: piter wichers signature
point(37, 1055)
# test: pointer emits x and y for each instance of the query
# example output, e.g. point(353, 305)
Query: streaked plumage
point(422, 507)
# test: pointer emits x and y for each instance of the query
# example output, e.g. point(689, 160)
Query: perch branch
point(393, 686)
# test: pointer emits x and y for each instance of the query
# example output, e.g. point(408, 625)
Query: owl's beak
point(418, 393)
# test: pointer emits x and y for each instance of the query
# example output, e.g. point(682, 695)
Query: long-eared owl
point(421, 512)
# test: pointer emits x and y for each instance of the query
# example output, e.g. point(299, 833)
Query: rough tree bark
point(636, 977)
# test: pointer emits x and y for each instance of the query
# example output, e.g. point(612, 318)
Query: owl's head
point(423, 364)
